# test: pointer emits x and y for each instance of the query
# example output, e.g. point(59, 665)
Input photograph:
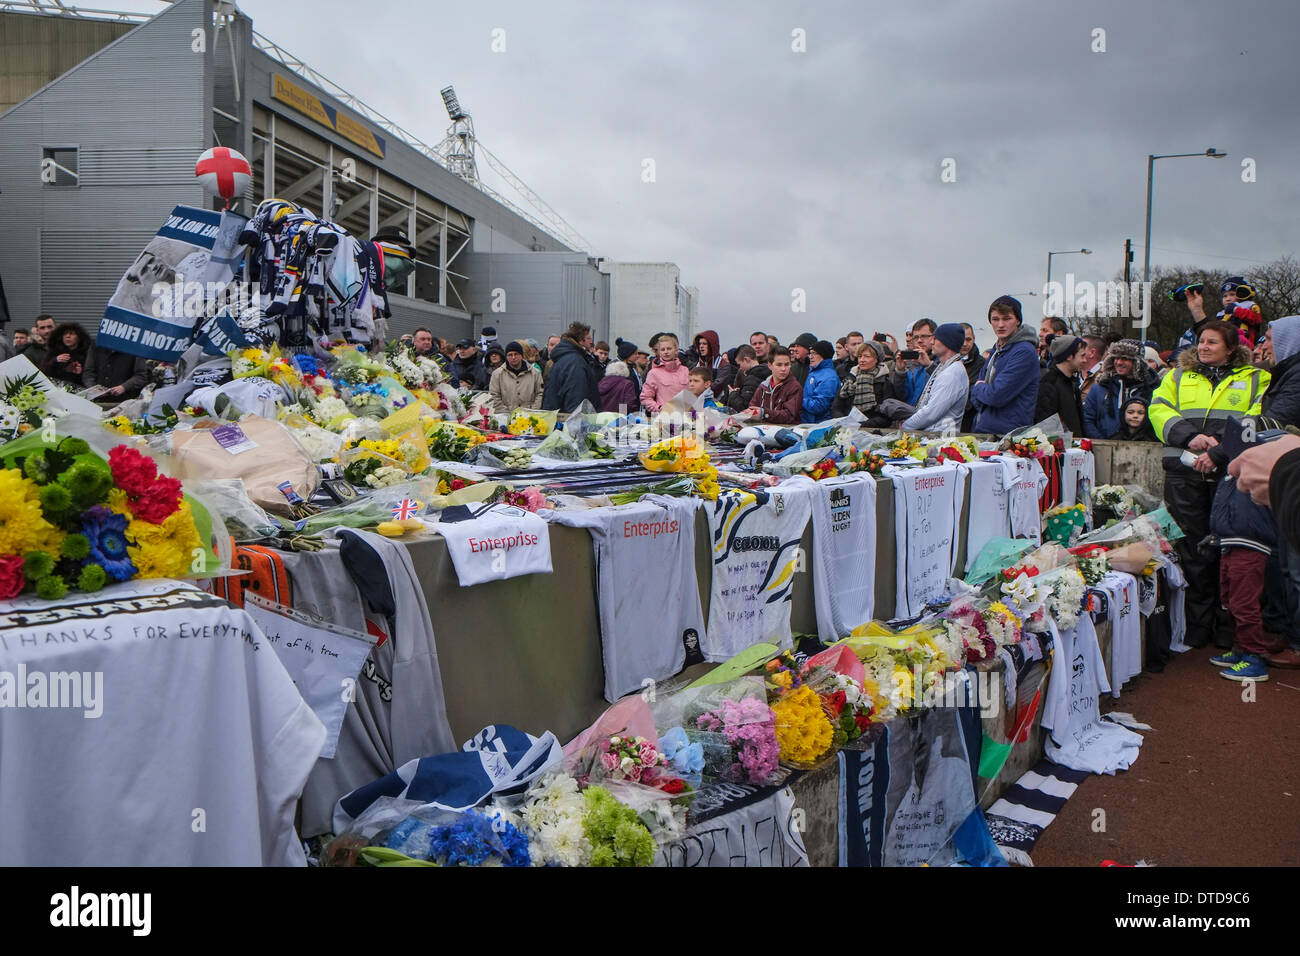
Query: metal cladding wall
point(542, 293)
point(36, 50)
point(136, 112)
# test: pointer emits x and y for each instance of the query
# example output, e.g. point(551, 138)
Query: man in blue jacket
point(1005, 396)
point(822, 384)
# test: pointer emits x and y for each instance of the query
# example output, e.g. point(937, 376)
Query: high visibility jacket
point(1185, 404)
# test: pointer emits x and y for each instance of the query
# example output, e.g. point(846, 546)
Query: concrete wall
point(643, 300)
point(543, 293)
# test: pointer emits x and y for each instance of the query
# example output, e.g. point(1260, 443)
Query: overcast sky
point(821, 170)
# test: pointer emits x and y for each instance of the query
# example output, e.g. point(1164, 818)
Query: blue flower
point(106, 532)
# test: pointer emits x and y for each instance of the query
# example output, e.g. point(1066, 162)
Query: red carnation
point(153, 497)
point(862, 721)
point(11, 576)
point(457, 484)
point(673, 785)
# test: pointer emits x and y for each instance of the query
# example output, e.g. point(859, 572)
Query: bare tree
point(1277, 287)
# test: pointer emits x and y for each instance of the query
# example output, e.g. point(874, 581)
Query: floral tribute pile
point(69, 520)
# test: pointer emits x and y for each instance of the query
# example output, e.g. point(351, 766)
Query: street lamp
point(1047, 289)
point(1151, 163)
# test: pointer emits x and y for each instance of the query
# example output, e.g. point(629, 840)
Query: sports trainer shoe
point(1249, 667)
point(1226, 659)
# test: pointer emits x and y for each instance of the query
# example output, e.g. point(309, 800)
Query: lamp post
point(1047, 289)
point(1151, 165)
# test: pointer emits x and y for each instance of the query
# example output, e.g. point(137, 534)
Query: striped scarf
point(861, 387)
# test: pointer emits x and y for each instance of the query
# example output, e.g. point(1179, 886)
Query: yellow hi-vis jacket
point(1186, 405)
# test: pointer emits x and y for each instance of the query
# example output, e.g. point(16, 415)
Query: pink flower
point(648, 755)
point(609, 762)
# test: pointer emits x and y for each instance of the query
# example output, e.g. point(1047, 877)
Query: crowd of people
point(1243, 576)
point(66, 354)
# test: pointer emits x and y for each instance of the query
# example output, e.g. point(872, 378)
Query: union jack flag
point(406, 508)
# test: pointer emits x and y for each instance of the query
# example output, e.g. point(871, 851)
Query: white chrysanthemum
point(384, 476)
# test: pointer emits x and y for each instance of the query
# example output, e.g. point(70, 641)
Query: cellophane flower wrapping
point(486, 837)
point(720, 733)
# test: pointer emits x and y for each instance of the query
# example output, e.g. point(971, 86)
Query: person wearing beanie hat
point(1005, 396)
point(1058, 387)
point(799, 358)
point(516, 383)
point(952, 335)
point(1154, 362)
point(625, 349)
point(487, 339)
point(943, 400)
point(1124, 375)
point(822, 384)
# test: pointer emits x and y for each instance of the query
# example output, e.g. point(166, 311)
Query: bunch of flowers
point(69, 520)
point(1030, 443)
point(1093, 565)
point(472, 839)
point(448, 441)
point(1002, 623)
point(523, 422)
point(749, 729)
point(412, 370)
point(1066, 601)
point(1115, 500)
point(615, 832)
point(684, 756)
point(22, 406)
point(630, 758)
point(1020, 590)
point(249, 363)
point(848, 706)
point(530, 499)
point(908, 446)
point(447, 483)
point(684, 454)
point(552, 815)
point(803, 731)
point(328, 411)
point(373, 473)
point(857, 460)
point(967, 624)
point(888, 683)
point(825, 468)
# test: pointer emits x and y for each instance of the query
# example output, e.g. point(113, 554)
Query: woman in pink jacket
point(666, 378)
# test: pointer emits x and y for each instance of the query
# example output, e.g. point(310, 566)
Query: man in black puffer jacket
point(575, 375)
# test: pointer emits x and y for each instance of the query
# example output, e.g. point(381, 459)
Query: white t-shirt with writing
point(925, 504)
point(199, 751)
point(756, 555)
point(844, 553)
point(647, 592)
point(500, 542)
